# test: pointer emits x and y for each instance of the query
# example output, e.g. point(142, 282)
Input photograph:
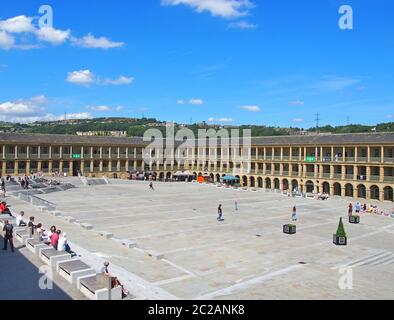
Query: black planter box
point(354, 219)
point(340, 241)
point(289, 229)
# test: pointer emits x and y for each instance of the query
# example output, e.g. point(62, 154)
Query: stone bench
point(73, 270)
point(129, 244)
point(35, 246)
point(70, 219)
point(106, 235)
point(86, 226)
point(99, 287)
point(155, 254)
point(51, 256)
point(56, 213)
point(23, 236)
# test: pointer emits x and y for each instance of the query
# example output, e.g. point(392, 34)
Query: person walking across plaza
point(350, 210)
point(220, 213)
point(8, 235)
point(236, 205)
point(294, 214)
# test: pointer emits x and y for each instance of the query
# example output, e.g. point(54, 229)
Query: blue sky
point(272, 62)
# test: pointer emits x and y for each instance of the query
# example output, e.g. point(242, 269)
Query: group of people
point(364, 208)
point(322, 196)
point(25, 182)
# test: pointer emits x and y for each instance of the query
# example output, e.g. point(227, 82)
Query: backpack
point(8, 231)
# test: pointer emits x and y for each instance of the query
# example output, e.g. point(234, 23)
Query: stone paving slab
point(246, 256)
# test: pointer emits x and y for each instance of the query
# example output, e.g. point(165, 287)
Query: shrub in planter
point(289, 229)
point(340, 238)
point(354, 219)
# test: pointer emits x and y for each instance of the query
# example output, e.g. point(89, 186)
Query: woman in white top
point(62, 243)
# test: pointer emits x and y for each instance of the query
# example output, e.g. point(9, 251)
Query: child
point(294, 214)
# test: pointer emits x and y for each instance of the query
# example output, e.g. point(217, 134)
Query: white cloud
point(121, 80)
point(335, 83)
point(90, 41)
point(298, 120)
point(196, 102)
point(219, 8)
point(297, 103)
point(82, 77)
point(119, 108)
point(220, 120)
point(100, 108)
point(251, 108)
point(87, 78)
point(6, 41)
point(17, 24)
point(32, 110)
point(180, 101)
point(242, 25)
point(53, 36)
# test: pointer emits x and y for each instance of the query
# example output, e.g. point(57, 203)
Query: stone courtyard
point(167, 243)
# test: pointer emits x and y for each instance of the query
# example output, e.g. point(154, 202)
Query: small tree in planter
point(340, 238)
point(289, 229)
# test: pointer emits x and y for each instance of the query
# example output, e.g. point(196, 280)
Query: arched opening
point(276, 184)
point(252, 182)
point(161, 176)
point(375, 192)
point(310, 186)
point(259, 182)
point(326, 187)
point(337, 189)
point(244, 181)
point(268, 183)
point(217, 178)
point(168, 176)
point(285, 183)
point(349, 190)
point(294, 185)
point(388, 194)
point(211, 178)
point(361, 191)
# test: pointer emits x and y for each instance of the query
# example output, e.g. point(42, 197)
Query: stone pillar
point(50, 166)
point(16, 152)
point(16, 167)
point(381, 174)
point(91, 165)
point(60, 166)
point(101, 165)
point(355, 154)
point(355, 170)
point(343, 170)
point(39, 165)
point(71, 168)
point(369, 154)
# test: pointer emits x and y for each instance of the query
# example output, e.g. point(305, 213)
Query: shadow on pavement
point(19, 278)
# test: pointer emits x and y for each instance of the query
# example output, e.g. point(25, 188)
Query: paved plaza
point(178, 250)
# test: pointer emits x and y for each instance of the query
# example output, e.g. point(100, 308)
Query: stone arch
point(217, 178)
point(337, 189)
point(375, 192)
point(276, 184)
point(310, 186)
point(244, 181)
point(361, 191)
point(294, 185)
point(267, 183)
point(285, 183)
point(161, 176)
point(259, 182)
point(252, 182)
point(168, 175)
point(349, 190)
point(326, 187)
point(388, 193)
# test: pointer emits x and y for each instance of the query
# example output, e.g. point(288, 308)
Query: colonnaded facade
point(349, 165)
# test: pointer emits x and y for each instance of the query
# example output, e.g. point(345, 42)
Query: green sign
point(310, 159)
point(76, 156)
